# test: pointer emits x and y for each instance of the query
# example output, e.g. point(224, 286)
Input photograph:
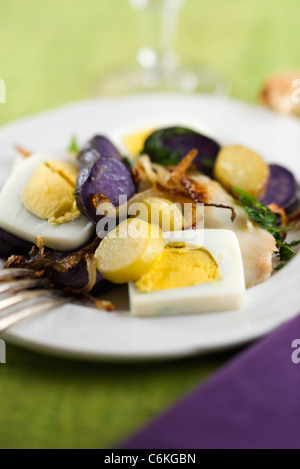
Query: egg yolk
point(50, 192)
point(179, 267)
point(135, 142)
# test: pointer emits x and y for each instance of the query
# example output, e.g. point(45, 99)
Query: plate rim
point(68, 352)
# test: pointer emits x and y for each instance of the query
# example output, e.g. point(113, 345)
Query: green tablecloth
point(51, 53)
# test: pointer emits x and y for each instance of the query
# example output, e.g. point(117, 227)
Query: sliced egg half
point(224, 294)
point(18, 220)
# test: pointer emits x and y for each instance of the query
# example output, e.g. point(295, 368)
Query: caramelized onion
point(56, 265)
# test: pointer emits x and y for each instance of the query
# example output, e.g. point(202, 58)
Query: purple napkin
point(253, 403)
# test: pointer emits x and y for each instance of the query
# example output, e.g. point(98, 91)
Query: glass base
point(199, 80)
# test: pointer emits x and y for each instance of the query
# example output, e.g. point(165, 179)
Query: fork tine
point(15, 273)
point(18, 316)
point(19, 285)
point(23, 297)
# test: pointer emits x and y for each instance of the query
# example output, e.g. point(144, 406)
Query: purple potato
point(11, 244)
point(282, 188)
point(108, 178)
point(168, 146)
point(77, 278)
point(96, 148)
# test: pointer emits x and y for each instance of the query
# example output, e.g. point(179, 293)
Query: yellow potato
point(158, 211)
point(129, 251)
point(237, 166)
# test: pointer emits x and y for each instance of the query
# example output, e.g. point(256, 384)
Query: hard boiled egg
point(38, 200)
point(220, 285)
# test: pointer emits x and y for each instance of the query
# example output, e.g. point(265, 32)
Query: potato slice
point(237, 166)
point(159, 211)
point(129, 251)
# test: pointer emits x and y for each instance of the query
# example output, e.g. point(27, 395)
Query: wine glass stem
point(158, 24)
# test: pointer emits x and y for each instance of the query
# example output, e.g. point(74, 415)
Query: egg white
point(225, 294)
point(17, 220)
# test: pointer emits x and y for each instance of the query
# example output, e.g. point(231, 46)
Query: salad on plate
point(189, 224)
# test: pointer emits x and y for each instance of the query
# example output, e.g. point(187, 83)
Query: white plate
point(85, 333)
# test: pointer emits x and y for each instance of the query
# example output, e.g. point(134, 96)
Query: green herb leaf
point(295, 243)
point(286, 253)
point(167, 158)
point(74, 147)
point(208, 162)
point(127, 162)
point(154, 147)
point(268, 221)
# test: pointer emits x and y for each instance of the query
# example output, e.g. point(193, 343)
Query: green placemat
point(52, 53)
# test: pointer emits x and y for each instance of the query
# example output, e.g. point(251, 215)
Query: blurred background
point(56, 52)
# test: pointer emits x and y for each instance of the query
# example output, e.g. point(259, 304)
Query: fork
point(24, 288)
